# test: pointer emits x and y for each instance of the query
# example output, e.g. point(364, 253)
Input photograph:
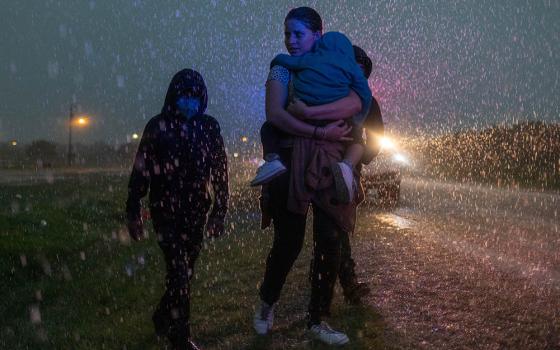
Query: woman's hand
point(298, 109)
point(337, 131)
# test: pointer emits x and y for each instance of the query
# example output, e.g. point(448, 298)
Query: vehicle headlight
point(386, 143)
point(400, 158)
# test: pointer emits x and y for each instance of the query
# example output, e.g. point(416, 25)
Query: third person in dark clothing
point(181, 154)
point(353, 289)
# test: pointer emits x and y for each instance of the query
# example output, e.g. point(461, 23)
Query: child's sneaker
point(268, 171)
point(327, 335)
point(343, 182)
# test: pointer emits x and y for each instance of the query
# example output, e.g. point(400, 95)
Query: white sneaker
point(267, 172)
point(327, 335)
point(343, 182)
point(264, 318)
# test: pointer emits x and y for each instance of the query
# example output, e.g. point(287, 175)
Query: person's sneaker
point(264, 318)
point(355, 293)
point(268, 171)
point(343, 182)
point(323, 332)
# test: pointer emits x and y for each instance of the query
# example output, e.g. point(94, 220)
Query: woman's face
point(298, 38)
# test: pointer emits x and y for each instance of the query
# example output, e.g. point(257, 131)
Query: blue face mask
point(188, 106)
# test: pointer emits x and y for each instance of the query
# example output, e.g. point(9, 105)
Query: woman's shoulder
point(279, 73)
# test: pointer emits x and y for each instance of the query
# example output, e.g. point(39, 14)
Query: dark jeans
point(346, 272)
point(289, 233)
point(181, 244)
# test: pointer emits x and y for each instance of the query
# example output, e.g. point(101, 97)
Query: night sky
point(438, 65)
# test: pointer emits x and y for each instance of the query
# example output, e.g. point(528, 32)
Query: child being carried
point(325, 74)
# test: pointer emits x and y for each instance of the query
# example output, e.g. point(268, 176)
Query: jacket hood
point(185, 82)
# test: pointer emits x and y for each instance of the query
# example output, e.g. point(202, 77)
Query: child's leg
point(270, 138)
point(272, 167)
point(172, 315)
point(353, 154)
point(343, 172)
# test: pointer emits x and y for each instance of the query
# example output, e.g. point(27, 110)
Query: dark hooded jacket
point(179, 159)
point(375, 128)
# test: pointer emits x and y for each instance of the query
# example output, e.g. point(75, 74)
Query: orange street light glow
point(244, 139)
point(14, 143)
point(81, 121)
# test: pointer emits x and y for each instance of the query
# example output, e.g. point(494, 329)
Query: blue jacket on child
point(327, 73)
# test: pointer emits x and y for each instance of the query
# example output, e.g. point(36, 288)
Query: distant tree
point(42, 151)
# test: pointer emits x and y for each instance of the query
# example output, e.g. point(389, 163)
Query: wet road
point(457, 266)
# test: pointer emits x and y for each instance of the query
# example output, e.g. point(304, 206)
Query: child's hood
point(185, 82)
point(337, 42)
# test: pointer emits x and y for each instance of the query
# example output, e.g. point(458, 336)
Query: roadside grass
point(71, 278)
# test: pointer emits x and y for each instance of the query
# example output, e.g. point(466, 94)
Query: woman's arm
point(276, 97)
point(343, 108)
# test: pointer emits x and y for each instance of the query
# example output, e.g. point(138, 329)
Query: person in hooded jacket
point(353, 289)
point(180, 156)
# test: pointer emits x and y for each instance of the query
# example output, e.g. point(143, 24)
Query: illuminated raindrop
point(35, 314)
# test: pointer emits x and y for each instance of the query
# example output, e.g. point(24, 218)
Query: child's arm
point(139, 183)
point(343, 108)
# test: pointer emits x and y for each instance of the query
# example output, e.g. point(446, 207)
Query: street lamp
point(80, 121)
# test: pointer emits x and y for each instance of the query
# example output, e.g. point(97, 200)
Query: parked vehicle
point(381, 179)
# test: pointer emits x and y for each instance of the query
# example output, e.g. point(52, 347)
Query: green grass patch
point(71, 279)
